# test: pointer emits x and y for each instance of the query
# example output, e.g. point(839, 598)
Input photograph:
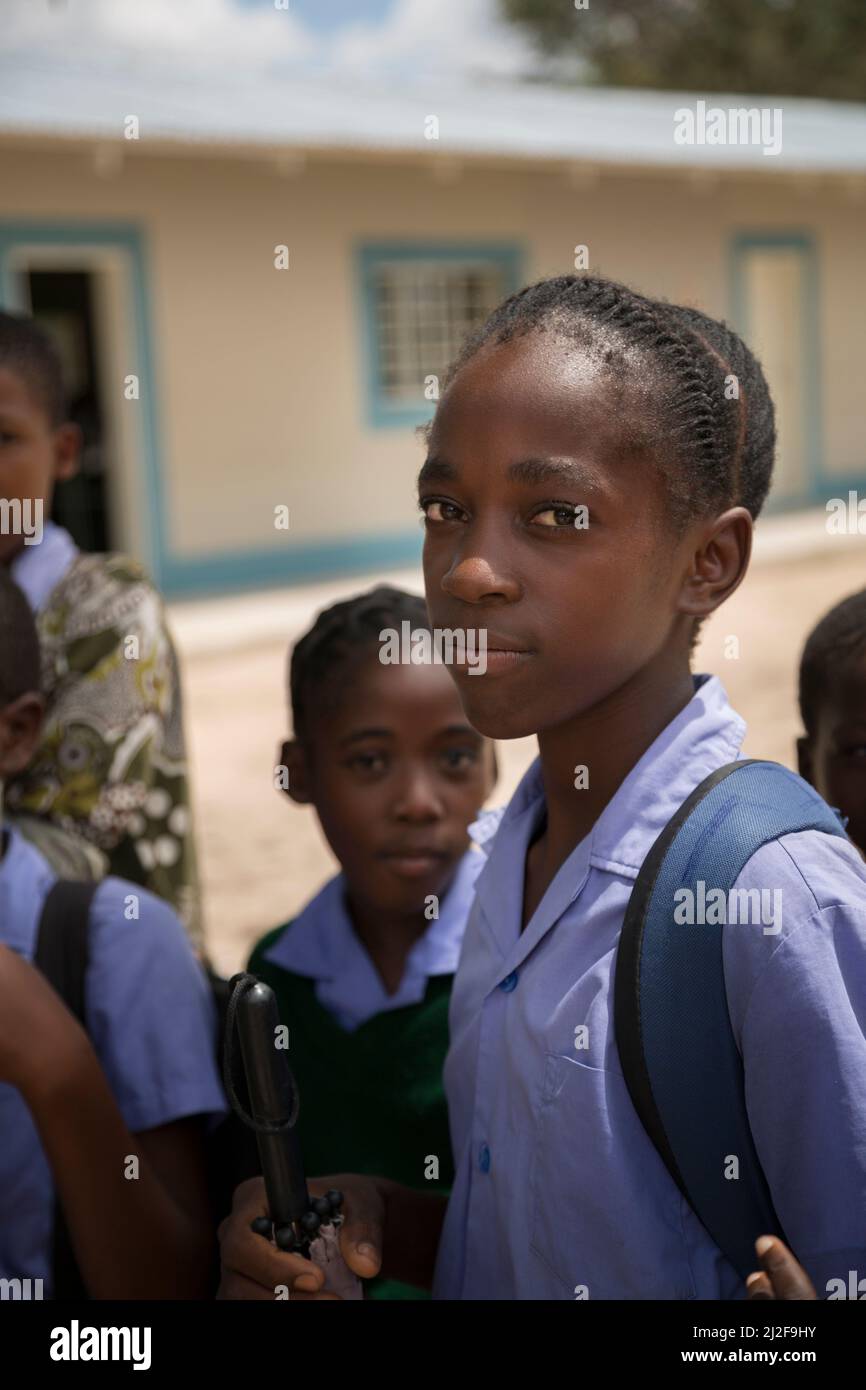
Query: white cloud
point(422, 36)
point(196, 33)
point(418, 36)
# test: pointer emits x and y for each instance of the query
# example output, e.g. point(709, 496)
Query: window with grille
point(420, 308)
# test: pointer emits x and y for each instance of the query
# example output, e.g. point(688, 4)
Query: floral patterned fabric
point(111, 766)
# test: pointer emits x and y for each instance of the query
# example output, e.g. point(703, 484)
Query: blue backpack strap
point(677, 1048)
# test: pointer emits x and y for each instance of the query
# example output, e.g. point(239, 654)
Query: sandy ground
point(262, 857)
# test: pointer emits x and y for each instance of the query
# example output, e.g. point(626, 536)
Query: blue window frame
point(418, 301)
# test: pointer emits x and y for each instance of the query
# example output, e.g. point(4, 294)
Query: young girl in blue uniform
point(595, 467)
point(108, 1123)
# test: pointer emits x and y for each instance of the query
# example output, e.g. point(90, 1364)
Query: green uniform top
point(371, 1100)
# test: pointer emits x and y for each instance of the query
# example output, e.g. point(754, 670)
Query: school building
point(257, 281)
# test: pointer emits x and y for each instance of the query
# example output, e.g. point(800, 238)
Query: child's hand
point(37, 1031)
point(253, 1268)
point(781, 1276)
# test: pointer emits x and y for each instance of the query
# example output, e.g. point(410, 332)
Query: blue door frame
point(819, 487)
point(102, 236)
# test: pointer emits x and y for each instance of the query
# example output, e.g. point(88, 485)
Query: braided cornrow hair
point(678, 360)
point(836, 644)
point(340, 635)
point(755, 435)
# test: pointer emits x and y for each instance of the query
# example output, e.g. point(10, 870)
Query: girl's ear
point(20, 727)
point(293, 758)
point(804, 759)
point(719, 558)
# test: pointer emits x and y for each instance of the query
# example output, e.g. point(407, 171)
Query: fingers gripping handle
point(325, 1252)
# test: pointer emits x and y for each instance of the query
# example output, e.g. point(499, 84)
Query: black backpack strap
point(61, 955)
point(62, 952)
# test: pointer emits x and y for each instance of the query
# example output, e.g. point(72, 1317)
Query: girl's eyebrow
point(460, 731)
point(553, 470)
point(436, 470)
point(532, 470)
point(361, 734)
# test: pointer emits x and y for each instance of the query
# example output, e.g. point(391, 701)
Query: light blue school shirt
point(152, 1023)
point(38, 569)
point(558, 1187)
point(322, 944)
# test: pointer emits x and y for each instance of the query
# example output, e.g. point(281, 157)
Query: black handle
point(273, 1105)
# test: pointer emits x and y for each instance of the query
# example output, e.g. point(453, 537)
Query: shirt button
point(509, 983)
point(484, 1159)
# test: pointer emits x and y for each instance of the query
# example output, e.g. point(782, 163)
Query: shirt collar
point(38, 569)
point(321, 942)
point(529, 790)
point(706, 734)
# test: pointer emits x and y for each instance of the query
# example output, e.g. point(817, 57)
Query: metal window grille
point(423, 311)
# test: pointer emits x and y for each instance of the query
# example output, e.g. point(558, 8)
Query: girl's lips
point(414, 865)
point(495, 661)
point(504, 658)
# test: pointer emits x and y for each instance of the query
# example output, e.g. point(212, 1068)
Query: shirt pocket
point(607, 1217)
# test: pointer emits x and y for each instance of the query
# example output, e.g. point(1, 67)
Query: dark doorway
point(63, 302)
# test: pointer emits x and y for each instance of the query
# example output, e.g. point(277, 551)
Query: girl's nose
point(474, 579)
point(418, 798)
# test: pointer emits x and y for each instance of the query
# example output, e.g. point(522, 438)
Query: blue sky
point(324, 16)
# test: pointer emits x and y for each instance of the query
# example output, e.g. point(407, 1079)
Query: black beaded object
point(322, 1211)
point(309, 1224)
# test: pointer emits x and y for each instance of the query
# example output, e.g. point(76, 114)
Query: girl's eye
point(459, 759)
point(367, 762)
point(556, 517)
point(435, 509)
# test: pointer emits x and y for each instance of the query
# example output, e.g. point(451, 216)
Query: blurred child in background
point(111, 764)
point(832, 755)
point(103, 1115)
point(395, 773)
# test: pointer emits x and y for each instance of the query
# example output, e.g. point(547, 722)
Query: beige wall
point(258, 371)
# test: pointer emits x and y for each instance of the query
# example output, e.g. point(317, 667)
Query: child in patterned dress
point(111, 769)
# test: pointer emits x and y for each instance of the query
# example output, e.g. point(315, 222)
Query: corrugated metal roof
point(484, 118)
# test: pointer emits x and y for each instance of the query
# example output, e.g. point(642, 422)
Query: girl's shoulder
point(101, 593)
